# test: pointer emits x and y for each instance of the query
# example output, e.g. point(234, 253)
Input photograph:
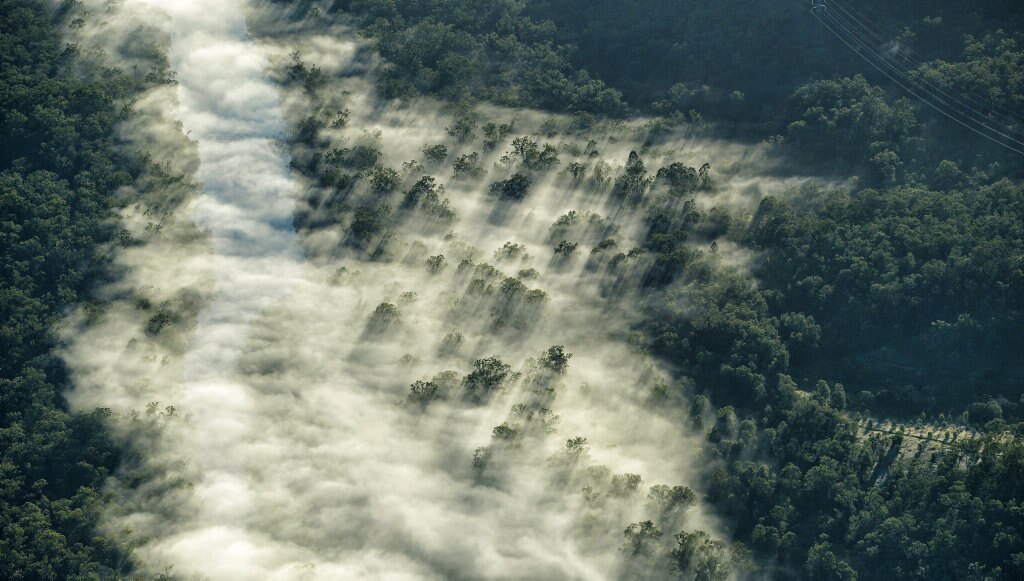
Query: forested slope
point(59, 169)
point(738, 63)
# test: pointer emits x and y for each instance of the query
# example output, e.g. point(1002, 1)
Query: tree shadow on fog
point(385, 320)
point(502, 212)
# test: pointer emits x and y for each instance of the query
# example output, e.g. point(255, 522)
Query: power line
point(1010, 119)
point(875, 31)
point(867, 46)
point(909, 90)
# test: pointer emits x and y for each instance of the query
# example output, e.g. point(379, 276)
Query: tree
point(435, 154)
point(566, 249)
point(633, 184)
point(624, 485)
point(488, 376)
point(698, 408)
point(513, 188)
point(681, 178)
point(467, 166)
point(511, 251)
point(368, 222)
point(436, 264)
point(463, 128)
point(384, 317)
point(979, 413)
point(384, 180)
point(63, 175)
point(823, 564)
point(556, 360)
point(641, 539)
point(667, 501)
point(425, 195)
point(725, 426)
point(524, 147)
point(574, 453)
point(494, 134)
point(697, 556)
point(450, 344)
point(801, 334)
point(838, 118)
point(421, 393)
point(532, 155)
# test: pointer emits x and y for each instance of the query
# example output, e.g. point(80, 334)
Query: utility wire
point(866, 45)
point(1007, 117)
point(872, 52)
point(908, 89)
point(874, 30)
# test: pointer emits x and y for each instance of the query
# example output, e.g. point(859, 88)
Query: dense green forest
point(758, 67)
point(59, 169)
point(898, 298)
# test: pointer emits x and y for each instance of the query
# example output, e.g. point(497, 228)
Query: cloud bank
point(291, 452)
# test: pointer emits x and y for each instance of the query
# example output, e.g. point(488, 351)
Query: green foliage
point(633, 184)
point(577, 170)
point(913, 293)
point(421, 393)
point(532, 155)
point(463, 128)
point(625, 485)
point(513, 188)
point(515, 306)
point(834, 120)
point(58, 168)
point(488, 376)
point(740, 63)
point(510, 251)
point(494, 134)
point(909, 296)
point(682, 180)
point(436, 154)
point(823, 564)
point(565, 249)
point(491, 51)
point(425, 195)
point(699, 557)
point(368, 223)
point(384, 180)
point(310, 78)
point(641, 539)
point(385, 317)
point(358, 158)
point(668, 501)
point(436, 264)
point(467, 166)
point(556, 360)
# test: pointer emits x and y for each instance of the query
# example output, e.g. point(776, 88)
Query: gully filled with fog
point(462, 396)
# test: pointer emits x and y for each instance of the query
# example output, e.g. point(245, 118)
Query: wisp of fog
point(294, 447)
